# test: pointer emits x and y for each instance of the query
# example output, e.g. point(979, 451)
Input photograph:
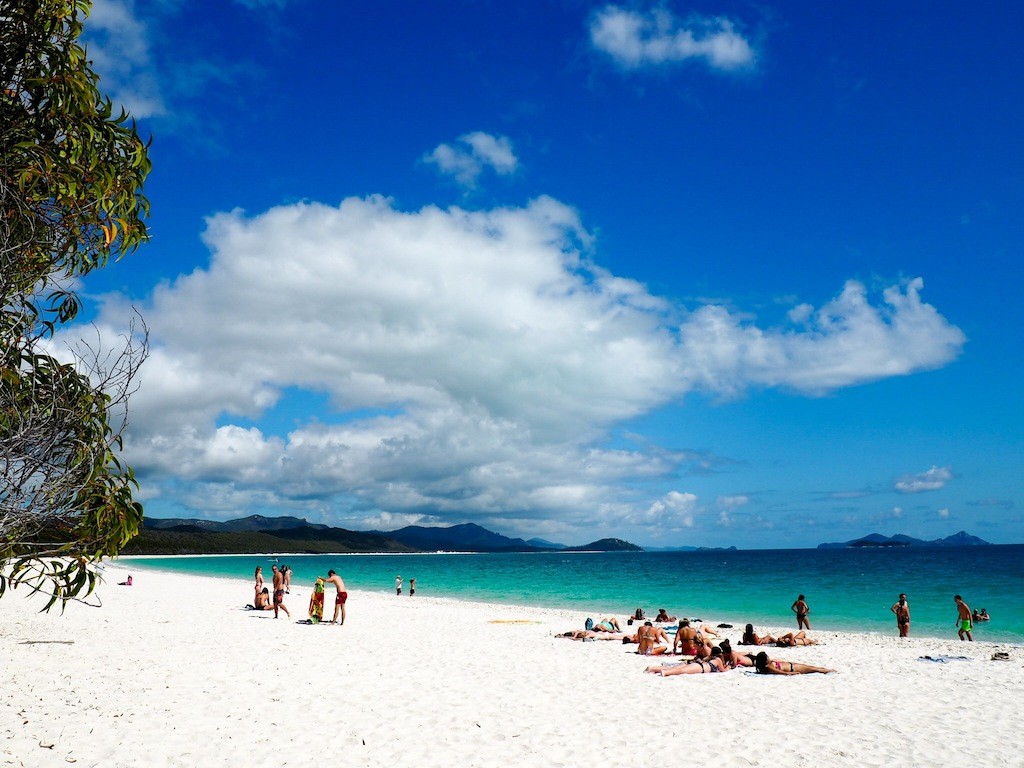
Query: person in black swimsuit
point(902, 610)
point(695, 667)
point(765, 666)
point(801, 609)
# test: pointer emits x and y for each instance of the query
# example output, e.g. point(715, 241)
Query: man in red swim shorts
point(340, 598)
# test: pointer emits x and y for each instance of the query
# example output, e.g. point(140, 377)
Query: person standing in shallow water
point(398, 585)
point(801, 609)
point(412, 587)
point(963, 619)
point(902, 610)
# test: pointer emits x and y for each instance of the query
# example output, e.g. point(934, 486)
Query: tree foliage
point(71, 175)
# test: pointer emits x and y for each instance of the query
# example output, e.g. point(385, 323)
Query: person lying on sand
point(696, 667)
point(647, 638)
point(752, 638)
point(607, 625)
point(766, 666)
point(732, 660)
point(589, 634)
point(791, 640)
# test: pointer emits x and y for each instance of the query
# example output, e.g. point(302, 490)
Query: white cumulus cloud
point(929, 480)
point(636, 39)
point(472, 154)
point(358, 361)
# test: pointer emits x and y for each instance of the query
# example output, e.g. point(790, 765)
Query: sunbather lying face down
point(790, 640)
point(766, 666)
point(695, 667)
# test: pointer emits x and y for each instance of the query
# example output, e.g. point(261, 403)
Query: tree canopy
point(72, 170)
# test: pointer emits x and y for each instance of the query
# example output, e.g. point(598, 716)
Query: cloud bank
point(362, 362)
point(634, 39)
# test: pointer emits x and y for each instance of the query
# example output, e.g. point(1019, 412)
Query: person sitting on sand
point(663, 616)
point(766, 666)
point(791, 640)
point(638, 614)
point(262, 602)
point(647, 638)
point(752, 638)
point(607, 625)
point(689, 641)
point(126, 583)
point(713, 663)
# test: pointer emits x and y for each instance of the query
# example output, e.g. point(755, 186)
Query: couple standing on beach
point(398, 586)
point(262, 601)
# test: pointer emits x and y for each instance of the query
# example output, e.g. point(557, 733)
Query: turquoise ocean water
point(849, 589)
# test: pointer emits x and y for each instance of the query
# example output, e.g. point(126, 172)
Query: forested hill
point(960, 539)
point(257, 535)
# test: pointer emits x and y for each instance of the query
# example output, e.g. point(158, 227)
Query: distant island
point(257, 534)
point(874, 540)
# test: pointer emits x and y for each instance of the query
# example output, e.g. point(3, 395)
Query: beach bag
point(589, 625)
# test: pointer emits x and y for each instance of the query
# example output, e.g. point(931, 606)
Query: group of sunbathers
point(695, 642)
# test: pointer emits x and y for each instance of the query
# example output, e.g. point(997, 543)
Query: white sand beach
point(173, 672)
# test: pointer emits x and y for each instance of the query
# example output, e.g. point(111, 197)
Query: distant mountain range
point(258, 534)
point(961, 539)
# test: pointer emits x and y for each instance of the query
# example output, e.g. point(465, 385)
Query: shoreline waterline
point(847, 591)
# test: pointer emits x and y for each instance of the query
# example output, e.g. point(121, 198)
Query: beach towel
point(943, 659)
point(316, 602)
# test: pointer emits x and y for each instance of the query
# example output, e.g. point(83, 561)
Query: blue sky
point(716, 274)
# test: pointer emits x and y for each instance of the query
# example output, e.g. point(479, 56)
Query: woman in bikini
point(647, 638)
point(690, 641)
point(259, 581)
point(752, 638)
point(695, 667)
point(765, 666)
point(790, 640)
point(731, 659)
point(608, 625)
